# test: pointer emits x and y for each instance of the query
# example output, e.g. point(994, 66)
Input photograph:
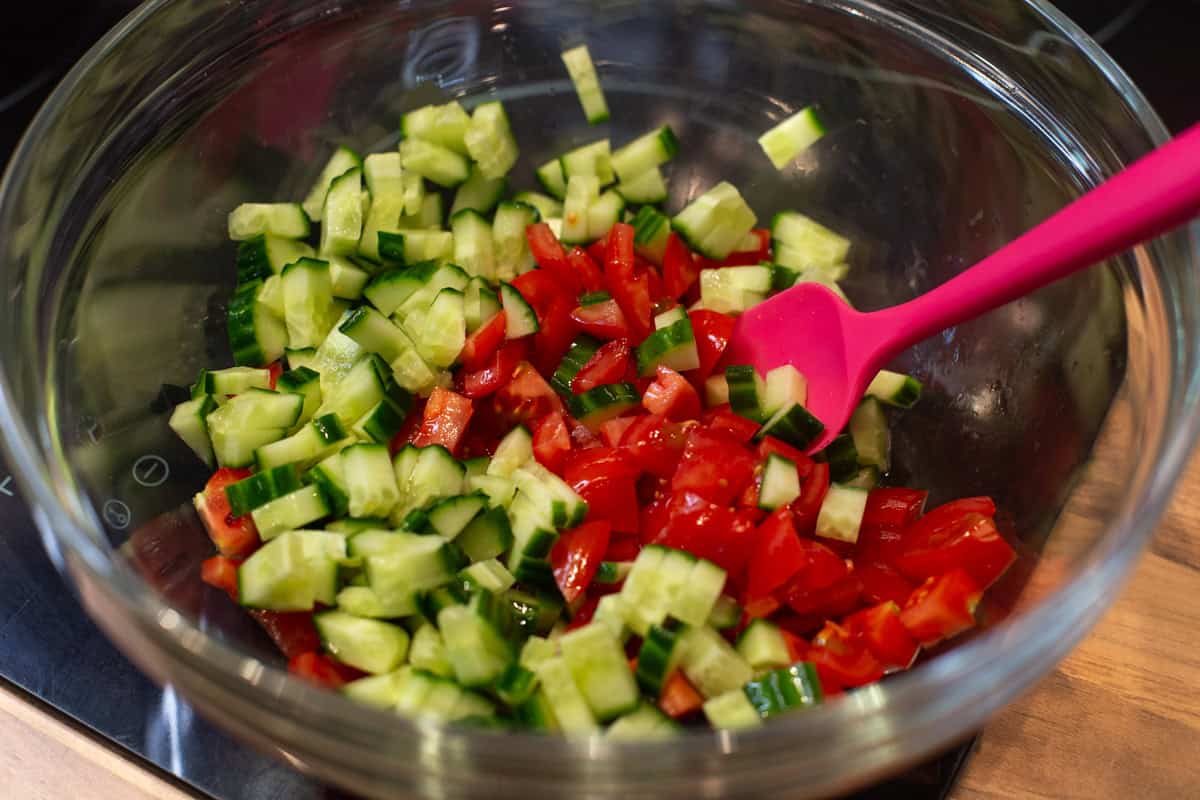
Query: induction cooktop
point(52, 652)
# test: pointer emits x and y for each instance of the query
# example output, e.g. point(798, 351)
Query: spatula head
point(831, 344)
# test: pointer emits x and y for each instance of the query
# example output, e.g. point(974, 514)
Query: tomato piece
point(607, 365)
point(893, 508)
point(713, 466)
point(654, 444)
point(554, 338)
point(623, 548)
point(445, 419)
point(727, 423)
point(547, 250)
point(483, 343)
point(878, 545)
point(292, 632)
point(941, 607)
point(527, 396)
point(585, 614)
point(581, 436)
point(233, 536)
point(880, 629)
point(671, 396)
point(598, 250)
point(221, 572)
point(541, 289)
point(883, 584)
point(604, 478)
point(679, 698)
point(323, 671)
point(713, 331)
point(759, 607)
point(680, 270)
point(971, 542)
point(770, 445)
point(273, 372)
point(577, 555)
point(604, 320)
point(551, 441)
point(825, 588)
point(777, 555)
point(848, 661)
point(947, 515)
point(585, 269)
point(796, 645)
point(632, 292)
point(808, 505)
point(488, 380)
point(612, 431)
point(707, 530)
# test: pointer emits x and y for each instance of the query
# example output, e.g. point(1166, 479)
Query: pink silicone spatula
point(839, 350)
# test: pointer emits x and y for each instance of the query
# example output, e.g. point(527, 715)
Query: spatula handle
point(1153, 196)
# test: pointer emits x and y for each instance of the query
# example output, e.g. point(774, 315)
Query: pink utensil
point(839, 350)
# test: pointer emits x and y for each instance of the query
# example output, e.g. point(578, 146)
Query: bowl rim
point(63, 521)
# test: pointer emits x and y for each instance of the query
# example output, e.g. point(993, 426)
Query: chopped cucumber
point(578, 62)
point(716, 222)
point(791, 137)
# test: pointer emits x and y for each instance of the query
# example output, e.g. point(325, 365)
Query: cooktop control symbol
point(6, 486)
point(116, 514)
point(151, 470)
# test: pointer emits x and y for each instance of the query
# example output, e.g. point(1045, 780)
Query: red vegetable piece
point(604, 478)
point(541, 289)
point(808, 505)
point(554, 338)
point(712, 331)
point(273, 372)
point(654, 444)
point(714, 467)
point(607, 365)
point(846, 660)
point(709, 531)
point(221, 573)
point(893, 508)
point(612, 431)
point(292, 632)
point(547, 250)
point(499, 369)
point(577, 555)
point(445, 420)
point(971, 542)
point(604, 320)
point(482, 345)
point(679, 698)
point(671, 396)
point(882, 584)
point(777, 555)
point(770, 445)
point(880, 629)
point(941, 607)
point(527, 396)
point(586, 270)
point(632, 292)
point(551, 441)
point(323, 671)
point(680, 270)
point(233, 536)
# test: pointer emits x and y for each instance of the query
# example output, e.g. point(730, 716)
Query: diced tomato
point(671, 396)
point(882, 584)
point(484, 433)
point(274, 371)
point(893, 508)
point(679, 269)
point(604, 478)
point(735, 426)
point(604, 320)
point(551, 441)
point(607, 365)
point(482, 345)
point(623, 548)
point(709, 531)
point(659, 300)
point(581, 436)
point(848, 661)
point(554, 338)
point(585, 613)
point(655, 444)
point(586, 270)
point(808, 505)
point(547, 250)
point(770, 445)
point(826, 586)
point(598, 250)
point(712, 331)
point(233, 536)
point(749, 497)
point(941, 607)
point(632, 292)
point(488, 380)
point(881, 630)
point(612, 431)
point(796, 645)
point(970, 541)
point(777, 555)
point(221, 573)
point(759, 607)
point(679, 698)
point(541, 289)
point(323, 671)
point(527, 396)
point(742, 258)
point(292, 632)
point(445, 419)
point(577, 555)
point(878, 545)
point(713, 466)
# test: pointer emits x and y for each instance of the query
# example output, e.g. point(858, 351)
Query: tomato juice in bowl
point(958, 145)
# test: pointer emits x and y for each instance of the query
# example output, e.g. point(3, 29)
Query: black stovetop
point(52, 651)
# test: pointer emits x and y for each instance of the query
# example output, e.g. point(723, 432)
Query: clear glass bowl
point(954, 127)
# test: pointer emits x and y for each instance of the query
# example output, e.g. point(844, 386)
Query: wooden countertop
point(1119, 718)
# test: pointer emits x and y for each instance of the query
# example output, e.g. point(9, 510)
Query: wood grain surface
point(1119, 718)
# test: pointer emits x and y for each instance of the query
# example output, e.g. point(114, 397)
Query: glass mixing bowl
point(954, 127)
